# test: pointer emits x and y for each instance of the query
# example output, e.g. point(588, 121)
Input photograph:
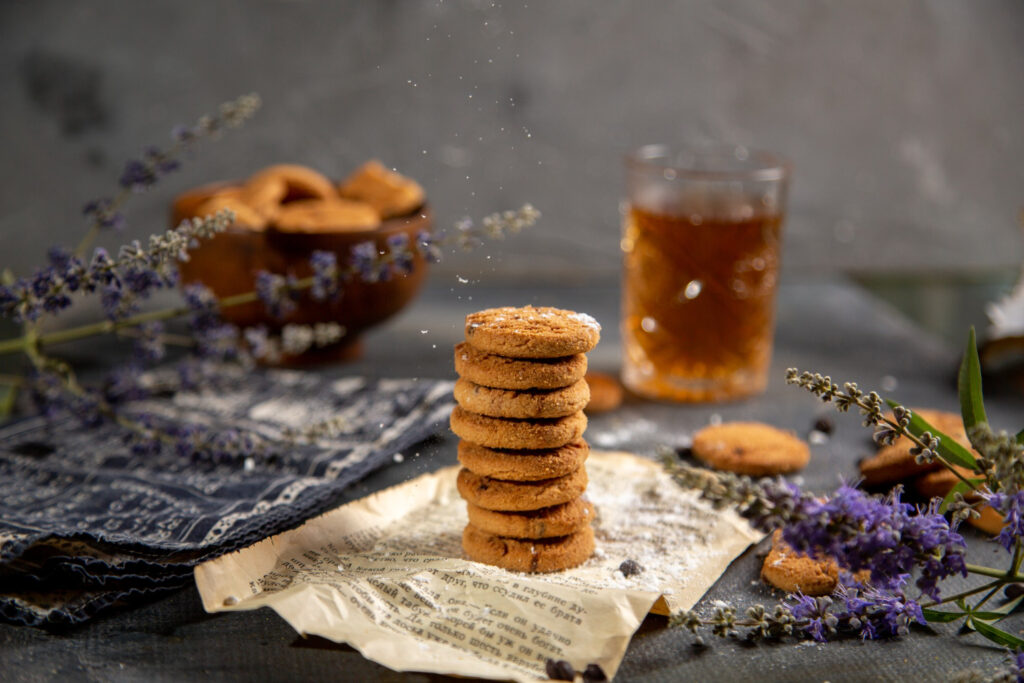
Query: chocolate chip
point(630, 568)
point(824, 425)
point(559, 670)
point(594, 674)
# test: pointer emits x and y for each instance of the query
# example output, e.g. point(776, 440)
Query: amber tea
point(699, 299)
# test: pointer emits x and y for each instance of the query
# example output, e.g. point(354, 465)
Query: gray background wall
point(904, 119)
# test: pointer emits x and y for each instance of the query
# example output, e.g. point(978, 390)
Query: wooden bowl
point(229, 262)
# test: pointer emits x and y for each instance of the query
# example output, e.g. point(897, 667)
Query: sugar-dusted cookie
point(326, 215)
point(502, 432)
point(557, 520)
point(541, 555)
point(390, 193)
point(517, 496)
point(523, 465)
point(530, 332)
point(750, 448)
point(522, 403)
point(605, 393)
point(245, 215)
point(788, 570)
point(502, 372)
point(895, 463)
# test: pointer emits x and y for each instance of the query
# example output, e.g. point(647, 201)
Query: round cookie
point(282, 183)
point(895, 462)
point(522, 404)
point(523, 465)
point(941, 481)
point(750, 448)
point(502, 372)
point(558, 520)
point(501, 432)
point(530, 332)
point(390, 193)
point(544, 555)
point(991, 522)
point(605, 393)
point(788, 570)
point(326, 215)
point(519, 496)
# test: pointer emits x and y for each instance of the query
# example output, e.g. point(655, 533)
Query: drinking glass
point(701, 236)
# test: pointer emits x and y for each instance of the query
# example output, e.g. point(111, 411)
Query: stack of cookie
point(520, 396)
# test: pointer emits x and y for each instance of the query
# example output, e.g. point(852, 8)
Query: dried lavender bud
point(1014, 590)
point(824, 425)
point(594, 674)
point(559, 670)
point(630, 568)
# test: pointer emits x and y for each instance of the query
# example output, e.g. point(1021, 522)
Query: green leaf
point(939, 617)
point(972, 403)
point(1000, 612)
point(949, 449)
point(960, 487)
point(8, 393)
point(1020, 436)
point(998, 635)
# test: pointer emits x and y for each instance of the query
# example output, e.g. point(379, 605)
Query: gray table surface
point(823, 325)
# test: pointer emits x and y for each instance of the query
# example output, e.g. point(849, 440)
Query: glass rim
point(762, 165)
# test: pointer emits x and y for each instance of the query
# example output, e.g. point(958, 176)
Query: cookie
point(522, 403)
point(326, 215)
point(530, 332)
point(894, 462)
point(518, 496)
point(502, 372)
point(558, 520)
point(390, 193)
point(523, 465)
point(991, 522)
point(503, 432)
point(544, 555)
point(788, 570)
point(605, 393)
point(245, 215)
point(941, 481)
point(750, 448)
point(275, 185)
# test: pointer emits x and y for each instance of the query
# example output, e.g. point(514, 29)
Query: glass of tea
point(700, 244)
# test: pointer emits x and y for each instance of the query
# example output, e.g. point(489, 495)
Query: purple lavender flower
point(877, 613)
point(865, 532)
point(275, 291)
point(114, 302)
point(363, 258)
point(325, 275)
point(427, 245)
point(102, 212)
point(58, 256)
point(1011, 506)
point(217, 342)
point(401, 255)
point(149, 347)
point(820, 620)
point(204, 306)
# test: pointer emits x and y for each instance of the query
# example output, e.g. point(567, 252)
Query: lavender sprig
point(884, 535)
point(121, 282)
point(141, 174)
